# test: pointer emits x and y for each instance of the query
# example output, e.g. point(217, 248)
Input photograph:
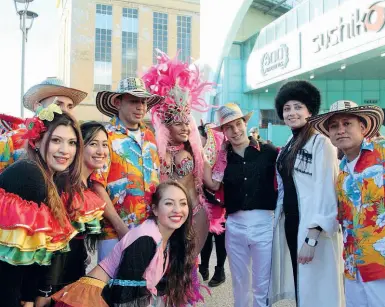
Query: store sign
point(371, 101)
point(359, 22)
point(276, 59)
point(352, 28)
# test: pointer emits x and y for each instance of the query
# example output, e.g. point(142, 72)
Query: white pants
point(105, 247)
point(249, 236)
point(364, 294)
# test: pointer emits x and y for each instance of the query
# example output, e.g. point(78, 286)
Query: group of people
point(150, 204)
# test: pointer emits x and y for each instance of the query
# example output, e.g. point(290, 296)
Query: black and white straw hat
point(371, 115)
point(132, 86)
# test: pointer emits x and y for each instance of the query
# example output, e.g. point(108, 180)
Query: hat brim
point(372, 115)
point(106, 106)
point(245, 117)
point(40, 92)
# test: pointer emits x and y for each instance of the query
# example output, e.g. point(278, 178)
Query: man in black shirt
point(250, 199)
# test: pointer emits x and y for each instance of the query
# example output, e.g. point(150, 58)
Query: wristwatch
point(311, 242)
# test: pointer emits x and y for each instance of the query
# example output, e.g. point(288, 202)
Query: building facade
point(338, 45)
point(104, 41)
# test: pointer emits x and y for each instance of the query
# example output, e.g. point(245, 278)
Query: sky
point(41, 53)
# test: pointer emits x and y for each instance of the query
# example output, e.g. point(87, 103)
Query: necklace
point(175, 149)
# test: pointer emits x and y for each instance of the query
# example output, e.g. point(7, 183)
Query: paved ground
point(221, 296)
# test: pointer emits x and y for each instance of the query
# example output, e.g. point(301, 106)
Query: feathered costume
point(182, 87)
point(214, 153)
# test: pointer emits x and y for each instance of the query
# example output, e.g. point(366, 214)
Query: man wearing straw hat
point(250, 199)
point(51, 90)
point(360, 190)
point(132, 172)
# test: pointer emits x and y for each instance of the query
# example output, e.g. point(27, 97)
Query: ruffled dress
point(67, 267)
point(29, 232)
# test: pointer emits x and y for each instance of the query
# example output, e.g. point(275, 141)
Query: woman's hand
point(306, 254)
point(42, 301)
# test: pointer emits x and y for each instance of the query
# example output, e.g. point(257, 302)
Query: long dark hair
point(298, 143)
point(70, 180)
point(89, 131)
point(182, 259)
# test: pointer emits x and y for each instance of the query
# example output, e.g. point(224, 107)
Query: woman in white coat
point(307, 257)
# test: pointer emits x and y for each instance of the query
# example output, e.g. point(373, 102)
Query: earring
point(37, 149)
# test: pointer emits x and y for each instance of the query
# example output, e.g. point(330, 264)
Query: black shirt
point(25, 179)
point(290, 198)
point(133, 264)
point(249, 180)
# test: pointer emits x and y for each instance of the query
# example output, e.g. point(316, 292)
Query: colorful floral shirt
point(131, 175)
point(11, 147)
point(362, 212)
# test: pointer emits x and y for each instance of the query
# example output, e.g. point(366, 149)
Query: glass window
point(303, 13)
point(270, 116)
point(270, 33)
point(235, 51)
point(316, 8)
point(280, 28)
point(184, 38)
point(129, 42)
point(261, 40)
point(102, 87)
point(103, 47)
point(291, 21)
point(160, 24)
point(330, 4)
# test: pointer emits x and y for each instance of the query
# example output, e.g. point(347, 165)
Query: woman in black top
point(33, 218)
point(307, 169)
point(85, 215)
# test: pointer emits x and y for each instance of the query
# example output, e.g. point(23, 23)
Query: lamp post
point(26, 22)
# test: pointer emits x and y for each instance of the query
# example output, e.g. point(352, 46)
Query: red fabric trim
point(16, 212)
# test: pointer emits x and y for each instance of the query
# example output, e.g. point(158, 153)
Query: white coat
point(320, 282)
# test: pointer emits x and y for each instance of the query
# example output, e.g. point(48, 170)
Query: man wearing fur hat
point(360, 189)
point(51, 90)
point(132, 174)
point(250, 199)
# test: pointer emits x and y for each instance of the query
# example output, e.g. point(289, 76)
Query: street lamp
point(26, 22)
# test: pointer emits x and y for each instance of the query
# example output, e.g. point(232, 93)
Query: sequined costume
point(183, 89)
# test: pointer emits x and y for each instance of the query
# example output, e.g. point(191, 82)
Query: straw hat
point(49, 88)
point(371, 115)
point(132, 86)
point(229, 112)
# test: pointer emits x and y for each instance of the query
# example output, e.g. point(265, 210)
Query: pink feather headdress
point(182, 86)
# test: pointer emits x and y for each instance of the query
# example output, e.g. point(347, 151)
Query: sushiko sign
point(358, 22)
point(350, 27)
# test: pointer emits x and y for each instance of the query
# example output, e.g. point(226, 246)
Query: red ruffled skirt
point(29, 233)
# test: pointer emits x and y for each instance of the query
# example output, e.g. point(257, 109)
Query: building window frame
point(160, 33)
point(184, 40)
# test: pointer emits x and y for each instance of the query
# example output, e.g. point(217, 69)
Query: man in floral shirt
point(132, 173)
point(360, 190)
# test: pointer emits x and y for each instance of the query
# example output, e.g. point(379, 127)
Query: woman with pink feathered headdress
point(178, 140)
